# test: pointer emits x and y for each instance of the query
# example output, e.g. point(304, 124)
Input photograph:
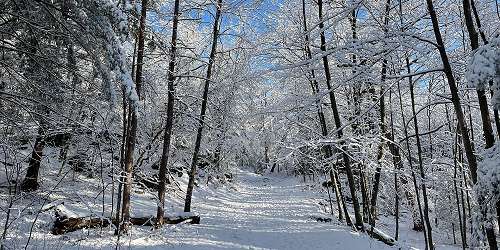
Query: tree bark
point(208, 79)
point(327, 150)
point(338, 125)
point(170, 116)
point(132, 132)
point(455, 98)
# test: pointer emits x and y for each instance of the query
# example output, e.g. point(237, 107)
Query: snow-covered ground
point(253, 212)
point(266, 213)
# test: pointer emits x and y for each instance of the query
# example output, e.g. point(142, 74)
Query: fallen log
point(320, 219)
point(65, 223)
point(381, 236)
point(62, 226)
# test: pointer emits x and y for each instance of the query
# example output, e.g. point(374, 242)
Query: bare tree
point(350, 175)
point(132, 128)
point(170, 116)
point(455, 98)
point(204, 101)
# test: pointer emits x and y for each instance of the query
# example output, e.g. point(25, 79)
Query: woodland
point(249, 124)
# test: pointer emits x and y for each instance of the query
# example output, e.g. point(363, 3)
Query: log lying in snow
point(372, 232)
point(381, 236)
point(65, 222)
point(151, 221)
point(320, 219)
point(65, 225)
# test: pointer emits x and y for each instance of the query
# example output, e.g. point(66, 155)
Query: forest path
point(264, 212)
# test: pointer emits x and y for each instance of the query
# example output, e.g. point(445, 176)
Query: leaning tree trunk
point(132, 130)
point(338, 125)
point(455, 98)
point(211, 61)
point(170, 117)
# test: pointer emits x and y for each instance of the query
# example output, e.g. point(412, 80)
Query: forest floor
point(253, 212)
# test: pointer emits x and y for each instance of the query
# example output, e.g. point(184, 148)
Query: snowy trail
point(264, 213)
point(253, 212)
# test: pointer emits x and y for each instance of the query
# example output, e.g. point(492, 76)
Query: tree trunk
point(170, 116)
point(382, 127)
point(416, 226)
point(132, 132)
point(30, 182)
point(455, 178)
point(489, 137)
point(64, 224)
point(327, 150)
point(455, 98)
point(483, 102)
point(338, 125)
point(398, 166)
point(421, 168)
point(211, 61)
point(416, 208)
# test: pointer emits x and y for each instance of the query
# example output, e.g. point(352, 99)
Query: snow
point(61, 210)
point(487, 189)
point(484, 66)
point(266, 213)
point(253, 212)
